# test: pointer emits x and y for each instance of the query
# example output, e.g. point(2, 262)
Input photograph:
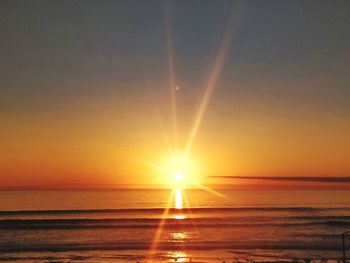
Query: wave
point(160, 210)
point(328, 217)
point(205, 245)
point(336, 223)
point(140, 223)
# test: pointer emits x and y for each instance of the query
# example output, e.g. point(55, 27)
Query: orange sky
point(87, 104)
point(59, 148)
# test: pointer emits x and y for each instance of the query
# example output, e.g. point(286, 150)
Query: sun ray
point(210, 190)
point(160, 120)
point(165, 215)
point(164, 134)
point(153, 165)
point(210, 85)
point(171, 69)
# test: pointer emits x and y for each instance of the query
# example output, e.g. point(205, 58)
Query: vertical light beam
point(171, 70)
point(210, 85)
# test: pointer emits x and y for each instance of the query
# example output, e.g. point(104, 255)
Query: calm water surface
point(134, 225)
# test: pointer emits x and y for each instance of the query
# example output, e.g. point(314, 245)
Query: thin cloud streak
point(320, 179)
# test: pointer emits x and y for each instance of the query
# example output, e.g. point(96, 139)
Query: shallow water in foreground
point(133, 225)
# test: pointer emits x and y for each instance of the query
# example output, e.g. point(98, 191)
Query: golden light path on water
point(177, 196)
point(178, 199)
point(178, 179)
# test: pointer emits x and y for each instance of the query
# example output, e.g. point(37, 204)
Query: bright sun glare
point(179, 176)
point(176, 171)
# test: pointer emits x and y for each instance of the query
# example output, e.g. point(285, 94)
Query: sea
point(178, 225)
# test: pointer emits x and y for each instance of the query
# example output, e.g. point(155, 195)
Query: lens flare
point(178, 170)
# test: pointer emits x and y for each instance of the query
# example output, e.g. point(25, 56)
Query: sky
point(88, 91)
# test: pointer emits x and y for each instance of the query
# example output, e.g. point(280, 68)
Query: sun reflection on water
point(179, 217)
point(178, 256)
point(178, 236)
point(178, 199)
point(178, 204)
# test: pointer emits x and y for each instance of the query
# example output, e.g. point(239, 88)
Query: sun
point(179, 176)
point(180, 180)
point(175, 171)
point(179, 172)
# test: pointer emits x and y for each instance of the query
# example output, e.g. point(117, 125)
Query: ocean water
point(172, 226)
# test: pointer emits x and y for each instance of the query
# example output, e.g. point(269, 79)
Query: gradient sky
point(84, 90)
